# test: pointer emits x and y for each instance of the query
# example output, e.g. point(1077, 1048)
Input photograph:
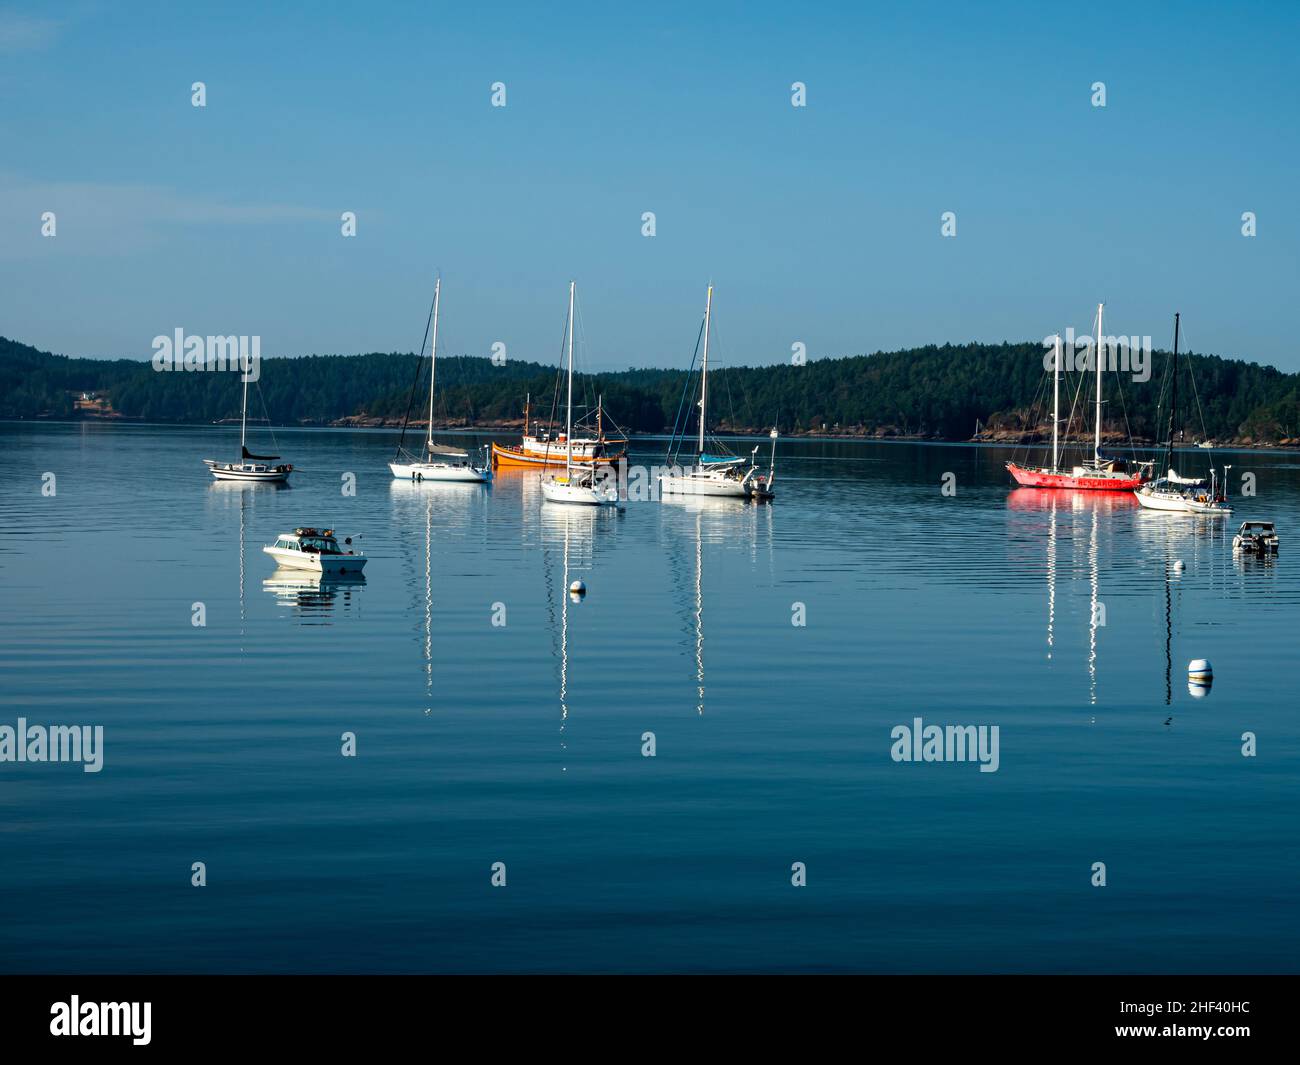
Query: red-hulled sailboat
point(1102, 473)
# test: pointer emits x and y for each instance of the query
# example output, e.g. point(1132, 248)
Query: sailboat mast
point(1173, 399)
point(568, 413)
point(433, 363)
point(243, 417)
point(704, 365)
point(1056, 402)
point(1097, 349)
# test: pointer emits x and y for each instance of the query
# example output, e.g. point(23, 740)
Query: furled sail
point(450, 452)
point(260, 458)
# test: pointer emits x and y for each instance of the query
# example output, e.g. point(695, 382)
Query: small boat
point(1255, 538)
point(1103, 473)
point(584, 487)
point(545, 448)
point(1210, 502)
point(316, 550)
point(721, 476)
point(435, 462)
point(1205, 443)
point(250, 467)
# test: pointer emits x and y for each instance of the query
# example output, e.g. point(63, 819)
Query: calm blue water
point(522, 743)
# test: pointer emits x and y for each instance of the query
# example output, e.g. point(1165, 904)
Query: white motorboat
point(249, 467)
point(1255, 538)
point(582, 487)
point(316, 550)
point(726, 476)
point(435, 462)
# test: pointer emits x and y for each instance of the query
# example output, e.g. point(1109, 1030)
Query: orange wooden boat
point(541, 449)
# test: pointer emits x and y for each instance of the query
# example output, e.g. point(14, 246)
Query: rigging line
point(419, 365)
point(1123, 402)
point(686, 382)
point(1078, 389)
point(266, 411)
point(1200, 413)
point(1037, 412)
point(555, 395)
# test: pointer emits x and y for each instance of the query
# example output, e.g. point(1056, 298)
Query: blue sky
point(818, 225)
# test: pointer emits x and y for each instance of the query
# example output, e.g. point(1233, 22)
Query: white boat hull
point(558, 491)
point(439, 471)
point(1174, 504)
point(246, 471)
point(326, 565)
point(704, 484)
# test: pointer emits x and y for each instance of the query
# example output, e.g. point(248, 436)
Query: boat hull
point(556, 491)
point(310, 562)
point(1168, 503)
point(439, 471)
point(1209, 510)
point(514, 457)
point(252, 473)
point(715, 487)
point(1037, 477)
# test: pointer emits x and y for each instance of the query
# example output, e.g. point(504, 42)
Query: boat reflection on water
point(415, 504)
point(1066, 501)
point(1069, 522)
point(315, 597)
point(572, 534)
point(1074, 530)
point(712, 520)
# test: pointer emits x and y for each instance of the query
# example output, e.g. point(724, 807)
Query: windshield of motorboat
point(320, 545)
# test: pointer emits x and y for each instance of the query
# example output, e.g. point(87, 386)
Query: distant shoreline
point(515, 426)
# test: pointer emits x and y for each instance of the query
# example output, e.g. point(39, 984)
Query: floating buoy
point(1179, 565)
point(1199, 669)
point(578, 588)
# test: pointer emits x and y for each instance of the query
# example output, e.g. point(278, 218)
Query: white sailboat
point(578, 486)
point(437, 462)
point(256, 469)
point(1174, 493)
point(732, 477)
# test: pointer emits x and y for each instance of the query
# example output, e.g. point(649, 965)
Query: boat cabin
point(320, 542)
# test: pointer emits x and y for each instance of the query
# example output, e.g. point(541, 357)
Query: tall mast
point(1173, 401)
point(1097, 348)
point(528, 402)
point(704, 366)
point(1056, 401)
point(433, 363)
point(243, 414)
point(568, 413)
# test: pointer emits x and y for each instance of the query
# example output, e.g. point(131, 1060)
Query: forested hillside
point(932, 392)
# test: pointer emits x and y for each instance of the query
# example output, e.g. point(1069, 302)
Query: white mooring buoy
point(1199, 671)
point(1179, 565)
point(578, 588)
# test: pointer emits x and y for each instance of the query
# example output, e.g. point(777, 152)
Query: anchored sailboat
point(578, 485)
point(1182, 495)
point(1102, 473)
point(250, 467)
point(437, 462)
point(728, 476)
point(542, 447)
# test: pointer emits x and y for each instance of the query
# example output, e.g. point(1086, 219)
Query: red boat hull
point(1040, 478)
